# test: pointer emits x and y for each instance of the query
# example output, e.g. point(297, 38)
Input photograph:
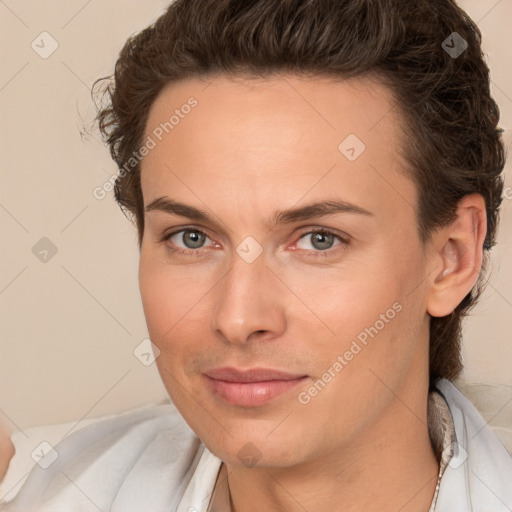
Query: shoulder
point(479, 474)
point(114, 464)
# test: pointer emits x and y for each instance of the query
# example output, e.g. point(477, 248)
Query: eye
point(320, 240)
point(188, 238)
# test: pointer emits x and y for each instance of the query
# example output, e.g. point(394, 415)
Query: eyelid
point(178, 229)
point(167, 235)
point(309, 230)
point(344, 242)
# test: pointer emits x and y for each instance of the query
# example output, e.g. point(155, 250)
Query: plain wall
point(69, 326)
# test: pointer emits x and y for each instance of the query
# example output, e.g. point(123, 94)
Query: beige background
point(69, 326)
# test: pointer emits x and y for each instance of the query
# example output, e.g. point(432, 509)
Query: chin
point(256, 451)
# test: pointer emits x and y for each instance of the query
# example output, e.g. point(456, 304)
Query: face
point(281, 271)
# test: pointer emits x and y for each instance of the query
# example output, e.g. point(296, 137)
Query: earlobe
point(458, 252)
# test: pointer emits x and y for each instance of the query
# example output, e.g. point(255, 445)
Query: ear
point(456, 253)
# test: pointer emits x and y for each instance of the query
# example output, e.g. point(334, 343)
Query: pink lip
point(252, 387)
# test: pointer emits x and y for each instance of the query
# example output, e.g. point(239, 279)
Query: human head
point(451, 140)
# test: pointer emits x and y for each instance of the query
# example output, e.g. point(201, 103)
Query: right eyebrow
point(164, 204)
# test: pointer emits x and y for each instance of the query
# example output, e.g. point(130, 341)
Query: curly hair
point(452, 142)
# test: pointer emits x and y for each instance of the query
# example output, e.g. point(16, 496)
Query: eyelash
point(179, 250)
point(344, 242)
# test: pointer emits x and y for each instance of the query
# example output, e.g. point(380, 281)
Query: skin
point(251, 148)
point(6, 452)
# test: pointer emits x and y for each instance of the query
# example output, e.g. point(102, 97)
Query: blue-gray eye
point(189, 239)
point(320, 241)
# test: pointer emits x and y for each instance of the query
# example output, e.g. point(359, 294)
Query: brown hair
point(451, 139)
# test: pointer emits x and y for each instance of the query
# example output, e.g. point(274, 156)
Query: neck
point(389, 466)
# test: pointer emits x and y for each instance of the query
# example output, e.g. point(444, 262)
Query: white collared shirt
point(150, 460)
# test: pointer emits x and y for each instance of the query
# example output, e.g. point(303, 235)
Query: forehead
point(312, 108)
point(284, 135)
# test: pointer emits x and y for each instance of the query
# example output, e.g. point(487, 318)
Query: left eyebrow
point(316, 210)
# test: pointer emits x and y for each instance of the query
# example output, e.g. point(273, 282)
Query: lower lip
point(251, 394)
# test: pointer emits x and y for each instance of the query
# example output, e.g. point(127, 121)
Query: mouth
point(252, 387)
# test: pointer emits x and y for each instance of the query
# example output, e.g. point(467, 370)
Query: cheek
point(347, 300)
point(156, 299)
point(177, 306)
point(169, 295)
point(368, 311)
point(164, 305)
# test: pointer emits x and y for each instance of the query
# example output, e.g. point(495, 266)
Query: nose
point(250, 303)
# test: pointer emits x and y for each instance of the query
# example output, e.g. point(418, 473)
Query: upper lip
point(250, 375)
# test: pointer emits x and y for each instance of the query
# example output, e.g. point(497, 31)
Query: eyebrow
point(166, 205)
point(297, 214)
point(315, 210)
